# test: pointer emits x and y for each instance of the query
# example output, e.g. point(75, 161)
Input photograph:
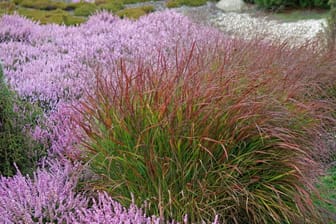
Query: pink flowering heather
point(50, 197)
point(47, 197)
point(63, 134)
point(16, 28)
point(49, 63)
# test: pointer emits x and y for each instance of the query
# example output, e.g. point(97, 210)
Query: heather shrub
point(16, 146)
point(220, 133)
point(51, 196)
point(57, 61)
point(23, 32)
point(48, 197)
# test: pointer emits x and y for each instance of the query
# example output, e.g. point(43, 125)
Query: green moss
point(135, 13)
point(43, 4)
point(134, 1)
point(75, 5)
point(17, 1)
point(327, 188)
point(296, 15)
point(112, 6)
point(173, 3)
point(73, 20)
point(54, 16)
point(178, 3)
point(85, 9)
point(7, 7)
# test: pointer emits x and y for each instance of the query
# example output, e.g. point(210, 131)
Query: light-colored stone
point(248, 27)
point(231, 5)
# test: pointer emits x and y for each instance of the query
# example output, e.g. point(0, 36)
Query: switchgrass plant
point(227, 131)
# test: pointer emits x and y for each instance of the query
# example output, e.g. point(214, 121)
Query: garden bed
point(161, 119)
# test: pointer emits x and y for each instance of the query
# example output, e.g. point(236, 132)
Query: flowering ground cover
point(160, 119)
point(70, 12)
point(76, 12)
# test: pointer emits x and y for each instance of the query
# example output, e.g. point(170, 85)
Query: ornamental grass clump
point(208, 136)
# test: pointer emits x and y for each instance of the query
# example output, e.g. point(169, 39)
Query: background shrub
point(53, 16)
point(85, 9)
point(331, 29)
point(15, 144)
point(135, 13)
point(6, 7)
point(283, 4)
point(205, 138)
point(327, 188)
point(43, 4)
point(112, 6)
point(178, 3)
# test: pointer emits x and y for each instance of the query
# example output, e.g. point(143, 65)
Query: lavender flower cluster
point(53, 65)
point(49, 197)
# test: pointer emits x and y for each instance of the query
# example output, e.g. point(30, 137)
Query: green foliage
point(112, 6)
point(15, 144)
point(203, 142)
point(85, 9)
point(72, 20)
point(7, 7)
point(327, 187)
point(43, 4)
point(295, 15)
point(135, 1)
point(285, 4)
point(331, 29)
point(178, 3)
point(135, 13)
point(53, 16)
point(17, 2)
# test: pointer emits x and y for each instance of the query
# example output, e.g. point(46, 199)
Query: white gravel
point(246, 26)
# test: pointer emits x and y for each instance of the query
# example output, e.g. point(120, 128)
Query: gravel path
point(248, 25)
